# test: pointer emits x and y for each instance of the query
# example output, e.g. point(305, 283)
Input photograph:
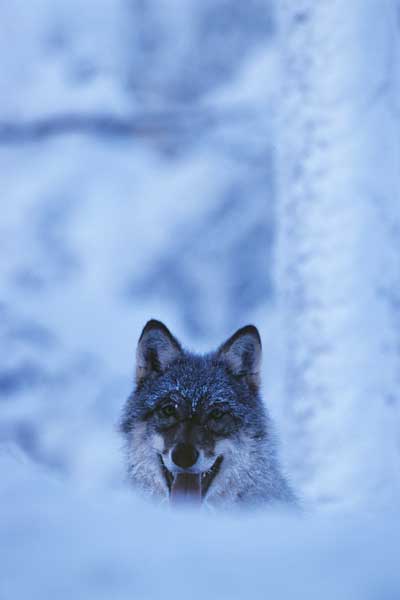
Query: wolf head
point(195, 426)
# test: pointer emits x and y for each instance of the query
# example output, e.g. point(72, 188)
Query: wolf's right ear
point(157, 349)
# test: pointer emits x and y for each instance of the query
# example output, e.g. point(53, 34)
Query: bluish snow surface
point(59, 542)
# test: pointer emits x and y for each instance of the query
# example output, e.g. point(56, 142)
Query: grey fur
point(225, 381)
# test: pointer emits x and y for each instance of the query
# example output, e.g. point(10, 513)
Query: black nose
point(184, 455)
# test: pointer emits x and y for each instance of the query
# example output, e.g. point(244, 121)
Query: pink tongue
point(186, 488)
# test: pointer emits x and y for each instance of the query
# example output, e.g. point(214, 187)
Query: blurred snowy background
point(129, 193)
point(209, 164)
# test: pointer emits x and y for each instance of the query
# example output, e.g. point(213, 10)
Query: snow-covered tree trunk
point(338, 252)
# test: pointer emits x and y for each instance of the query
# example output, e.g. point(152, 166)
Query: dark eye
point(216, 413)
point(168, 410)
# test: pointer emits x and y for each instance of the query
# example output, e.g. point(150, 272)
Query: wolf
point(195, 426)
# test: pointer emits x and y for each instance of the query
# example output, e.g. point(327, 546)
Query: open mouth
point(190, 485)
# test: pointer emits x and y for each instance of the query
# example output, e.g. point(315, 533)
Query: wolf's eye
point(216, 413)
point(169, 410)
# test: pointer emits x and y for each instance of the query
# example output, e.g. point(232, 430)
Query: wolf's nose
point(184, 455)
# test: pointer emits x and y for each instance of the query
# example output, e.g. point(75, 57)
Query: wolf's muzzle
point(184, 455)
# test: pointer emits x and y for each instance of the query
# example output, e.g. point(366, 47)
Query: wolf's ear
point(242, 353)
point(157, 349)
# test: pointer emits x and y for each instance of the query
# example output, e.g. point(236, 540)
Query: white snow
point(338, 231)
point(57, 541)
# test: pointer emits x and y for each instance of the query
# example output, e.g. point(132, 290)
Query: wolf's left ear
point(156, 350)
point(242, 353)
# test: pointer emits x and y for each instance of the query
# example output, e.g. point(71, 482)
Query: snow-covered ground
point(136, 173)
point(59, 542)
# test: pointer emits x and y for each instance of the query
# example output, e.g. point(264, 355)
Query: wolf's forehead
point(193, 394)
point(197, 388)
point(193, 385)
